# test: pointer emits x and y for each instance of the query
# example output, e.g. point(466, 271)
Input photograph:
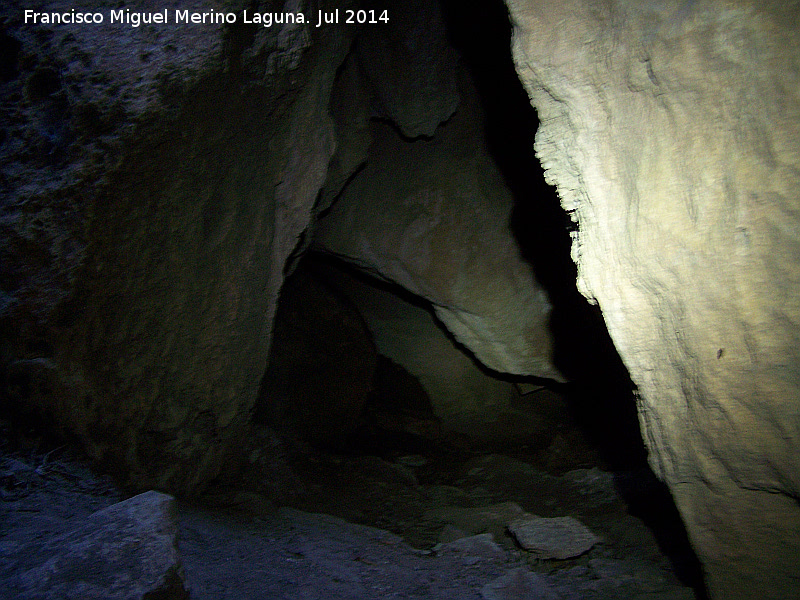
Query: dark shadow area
point(314, 258)
point(601, 392)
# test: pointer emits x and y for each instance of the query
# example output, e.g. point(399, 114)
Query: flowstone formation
point(155, 180)
point(672, 132)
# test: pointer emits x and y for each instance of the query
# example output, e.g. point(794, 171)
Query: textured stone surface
point(553, 537)
point(398, 406)
point(410, 217)
point(518, 584)
point(249, 551)
point(672, 131)
point(474, 548)
point(403, 72)
point(127, 551)
point(155, 180)
point(468, 400)
point(492, 519)
point(350, 100)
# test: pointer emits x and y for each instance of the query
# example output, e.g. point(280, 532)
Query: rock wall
point(471, 403)
point(410, 67)
point(155, 179)
point(409, 216)
point(672, 131)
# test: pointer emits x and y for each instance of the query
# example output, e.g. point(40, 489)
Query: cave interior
point(587, 420)
point(348, 413)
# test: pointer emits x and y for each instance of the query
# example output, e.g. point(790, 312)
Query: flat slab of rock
point(127, 551)
point(556, 537)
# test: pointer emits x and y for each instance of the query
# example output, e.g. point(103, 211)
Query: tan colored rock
point(433, 217)
point(468, 401)
point(672, 131)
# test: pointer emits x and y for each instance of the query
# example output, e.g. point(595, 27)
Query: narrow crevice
point(600, 392)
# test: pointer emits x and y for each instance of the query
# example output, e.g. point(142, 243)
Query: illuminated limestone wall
point(672, 131)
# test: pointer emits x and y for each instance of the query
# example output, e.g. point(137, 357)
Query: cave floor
point(432, 525)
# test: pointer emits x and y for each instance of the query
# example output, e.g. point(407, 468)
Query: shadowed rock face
point(321, 366)
point(158, 183)
point(155, 180)
point(673, 134)
point(469, 401)
point(432, 216)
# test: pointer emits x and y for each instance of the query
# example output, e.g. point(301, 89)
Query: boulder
point(474, 548)
point(553, 537)
point(672, 131)
point(467, 399)
point(409, 217)
point(127, 551)
point(518, 584)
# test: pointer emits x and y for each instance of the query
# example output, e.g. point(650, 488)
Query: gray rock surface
point(464, 521)
point(154, 182)
point(519, 584)
point(411, 67)
point(468, 400)
point(245, 549)
point(672, 131)
point(127, 551)
point(321, 365)
point(473, 548)
point(553, 537)
point(409, 217)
